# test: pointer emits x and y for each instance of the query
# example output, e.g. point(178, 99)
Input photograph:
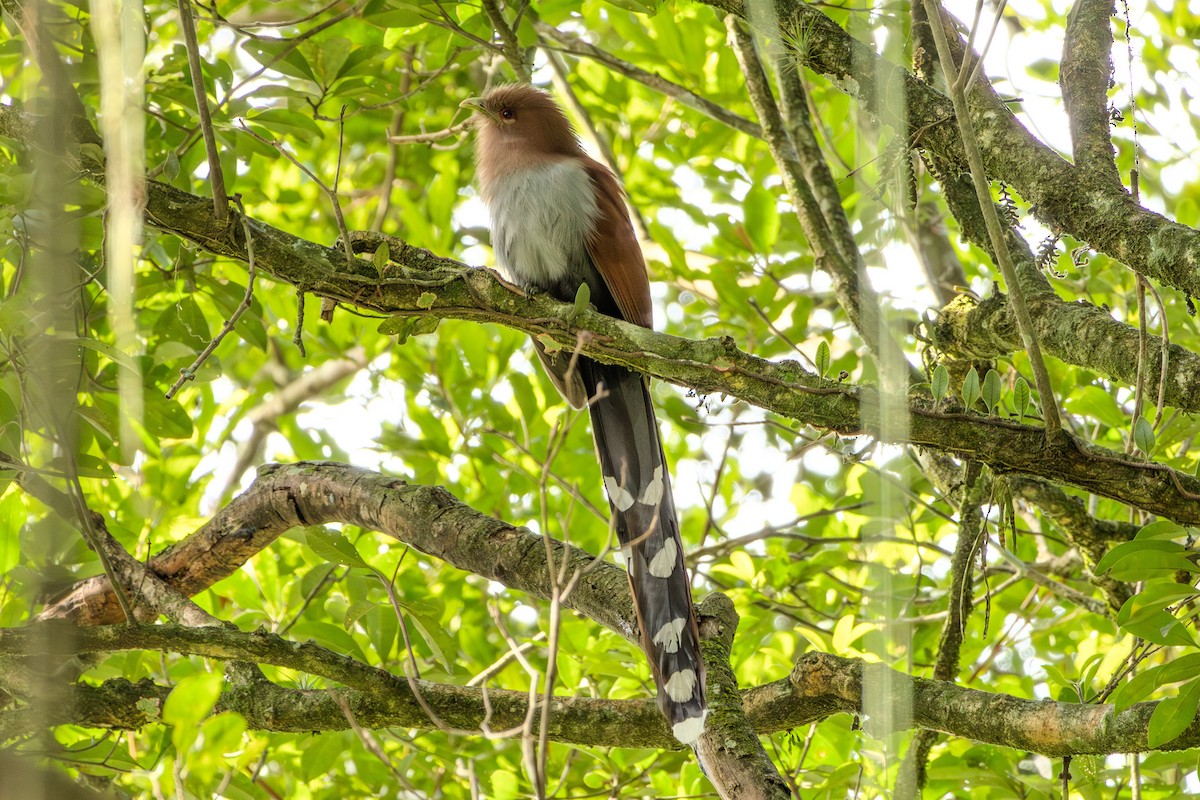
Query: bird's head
point(518, 117)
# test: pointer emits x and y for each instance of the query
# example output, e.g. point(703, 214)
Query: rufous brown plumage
point(559, 221)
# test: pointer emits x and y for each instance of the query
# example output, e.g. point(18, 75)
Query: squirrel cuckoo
point(559, 221)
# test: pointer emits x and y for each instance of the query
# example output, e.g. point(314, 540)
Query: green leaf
point(1021, 398)
point(170, 166)
point(1143, 559)
point(1162, 628)
point(1173, 715)
point(991, 390)
point(333, 547)
point(281, 55)
point(1054, 675)
point(381, 256)
point(1098, 404)
point(403, 327)
point(191, 701)
point(970, 389)
point(823, 359)
point(941, 382)
point(1142, 685)
point(426, 300)
point(1143, 435)
point(505, 785)
point(285, 124)
point(583, 296)
point(1162, 529)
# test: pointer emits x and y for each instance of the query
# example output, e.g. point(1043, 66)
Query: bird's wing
point(614, 248)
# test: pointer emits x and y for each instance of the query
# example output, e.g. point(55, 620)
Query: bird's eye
point(507, 113)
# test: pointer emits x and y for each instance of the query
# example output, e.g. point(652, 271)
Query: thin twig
point(509, 42)
point(432, 136)
point(188, 373)
point(215, 176)
point(986, 45)
point(575, 46)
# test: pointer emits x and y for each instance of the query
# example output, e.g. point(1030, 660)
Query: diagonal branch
point(431, 286)
point(1068, 197)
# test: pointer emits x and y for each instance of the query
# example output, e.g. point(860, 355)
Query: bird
point(558, 222)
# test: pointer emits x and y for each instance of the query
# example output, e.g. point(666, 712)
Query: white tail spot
point(681, 685)
point(663, 563)
point(654, 490)
point(690, 729)
point(669, 634)
point(620, 496)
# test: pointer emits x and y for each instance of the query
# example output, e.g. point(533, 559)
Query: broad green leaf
point(1144, 554)
point(285, 124)
point(1021, 398)
point(762, 218)
point(823, 359)
point(1162, 628)
point(1143, 684)
point(1162, 529)
point(1095, 403)
point(192, 699)
point(1143, 435)
point(1173, 715)
point(381, 256)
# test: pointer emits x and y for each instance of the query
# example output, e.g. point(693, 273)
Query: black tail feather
point(639, 492)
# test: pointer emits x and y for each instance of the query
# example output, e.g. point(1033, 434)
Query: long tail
point(639, 492)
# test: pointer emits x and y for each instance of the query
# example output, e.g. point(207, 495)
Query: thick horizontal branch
point(1067, 198)
point(819, 686)
point(377, 698)
point(1041, 726)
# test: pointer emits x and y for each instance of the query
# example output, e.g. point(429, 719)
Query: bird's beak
point(476, 104)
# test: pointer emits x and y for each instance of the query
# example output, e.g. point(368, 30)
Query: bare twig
point(188, 373)
point(575, 46)
point(215, 175)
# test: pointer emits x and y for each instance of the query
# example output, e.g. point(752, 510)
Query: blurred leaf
point(333, 547)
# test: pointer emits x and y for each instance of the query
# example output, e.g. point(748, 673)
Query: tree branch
point(432, 286)
point(1084, 75)
point(730, 750)
point(1067, 197)
point(819, 686)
